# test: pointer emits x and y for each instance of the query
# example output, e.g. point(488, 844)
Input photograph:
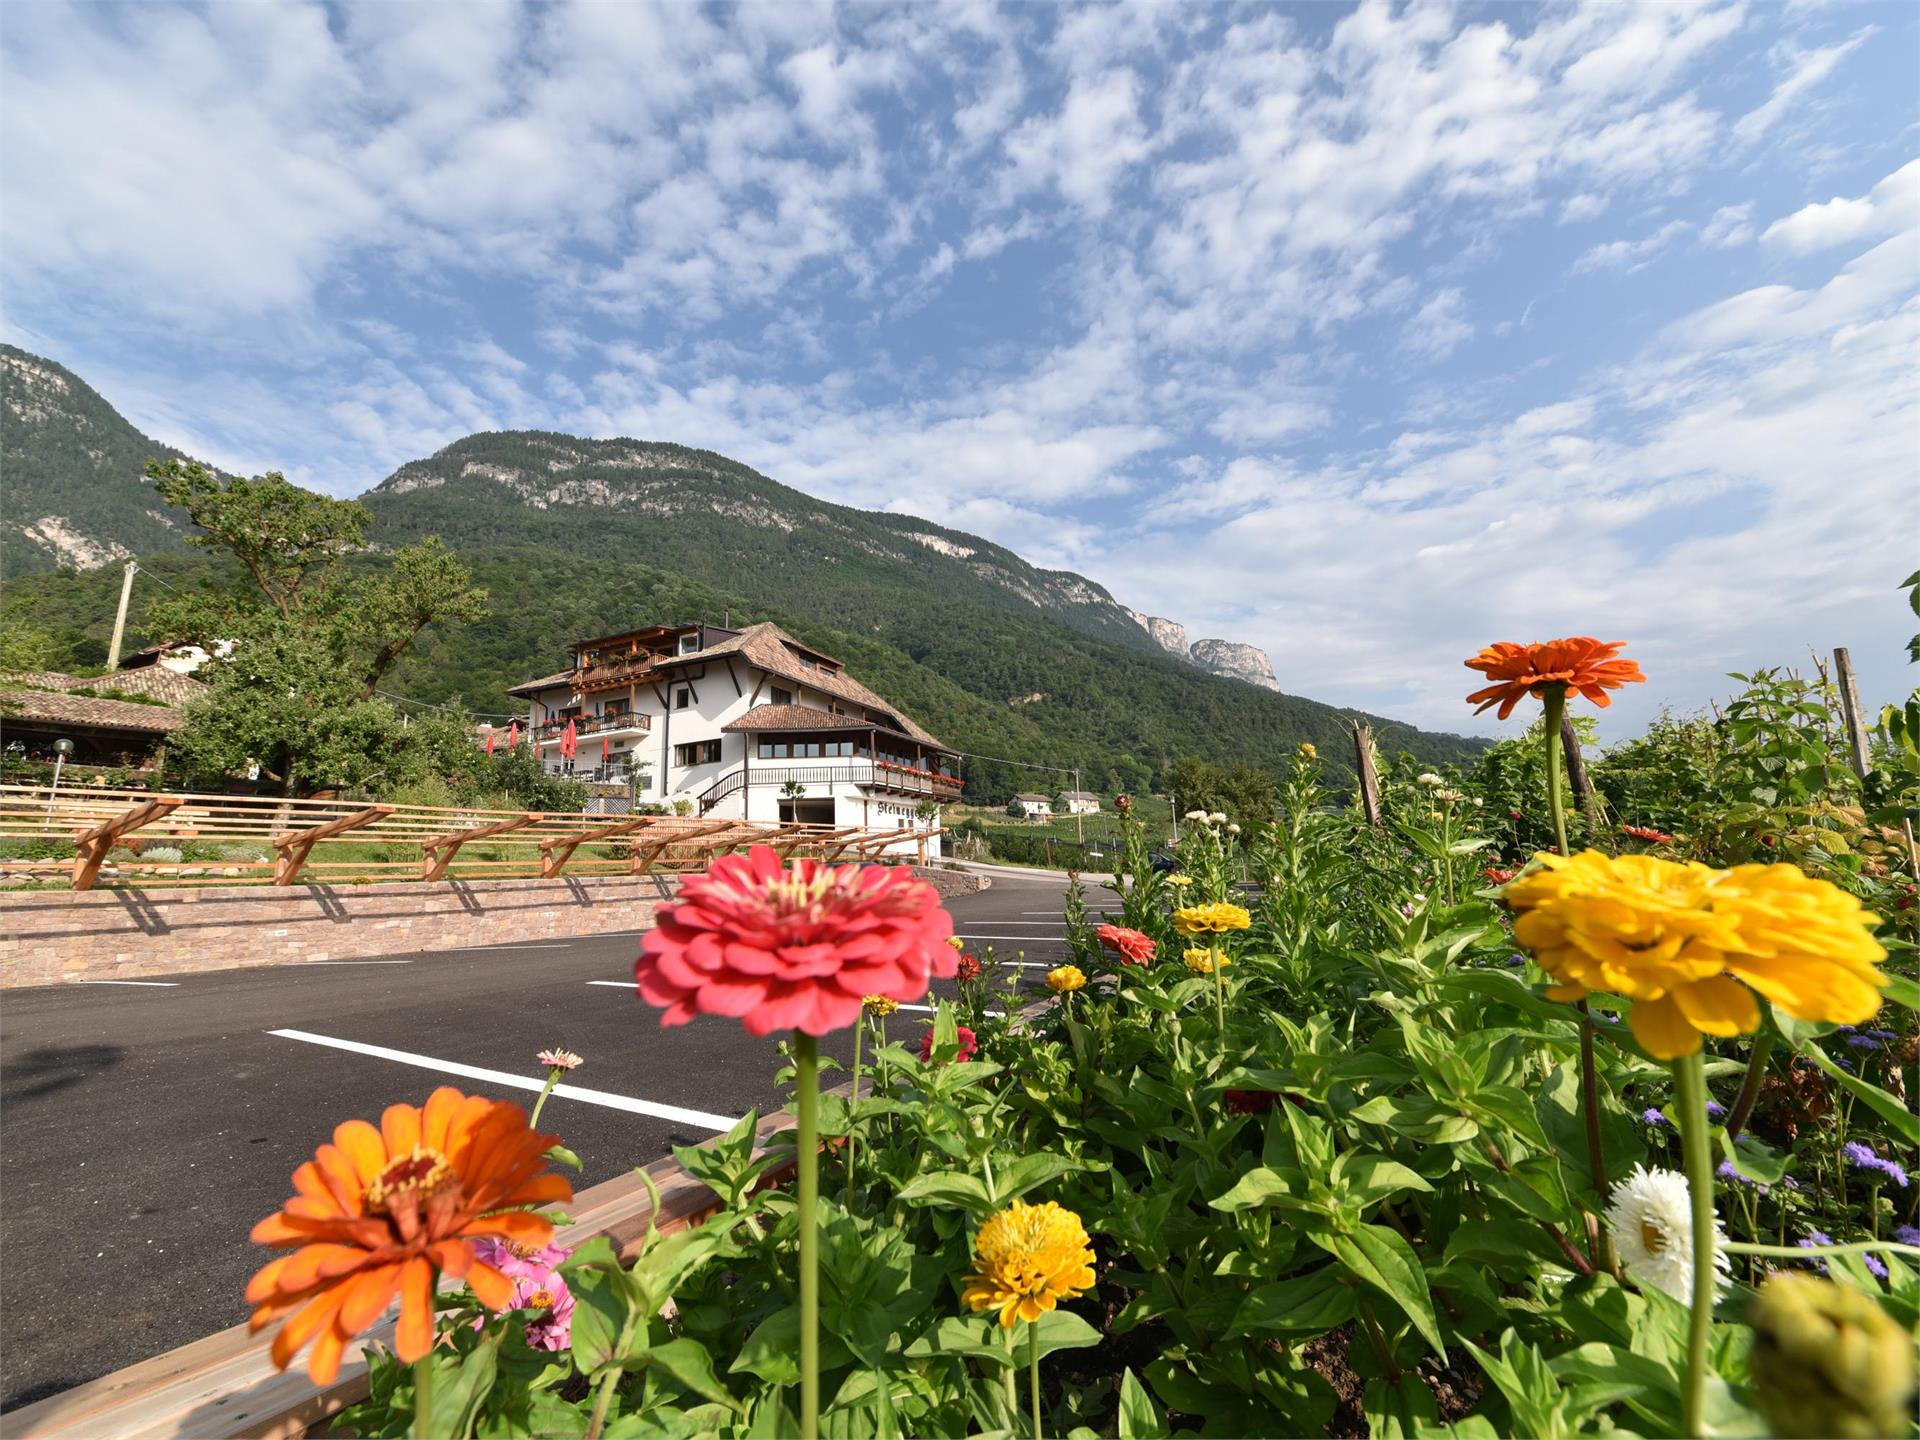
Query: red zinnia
point(1131, 946)
point(795, 949)
point(969, 1046)
point(1581, 663)
point(1646, 832)
point(966, 968)
point(1497, 875)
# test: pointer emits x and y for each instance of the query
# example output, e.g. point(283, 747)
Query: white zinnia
point(1217, 818)
point(1233, 829)
point(1429, 779)
point(1196, 814)
point(1653, 1231)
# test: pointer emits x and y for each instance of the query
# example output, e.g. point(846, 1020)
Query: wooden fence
point(285, 842)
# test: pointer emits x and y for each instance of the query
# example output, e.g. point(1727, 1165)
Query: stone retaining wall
point(53, 936)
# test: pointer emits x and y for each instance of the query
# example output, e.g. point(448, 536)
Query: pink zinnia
point(1131, 946)
point(538, 1287)
point(781, 949)
point(969, 1046)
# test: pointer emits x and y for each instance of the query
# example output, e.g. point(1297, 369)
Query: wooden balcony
point(626, 722)
point(612, 674)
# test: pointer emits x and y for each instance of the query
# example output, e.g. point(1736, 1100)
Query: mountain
point(1233, 661)
point(74, 494)
point(579, 537)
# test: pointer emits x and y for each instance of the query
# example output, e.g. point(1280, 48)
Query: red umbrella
point(606, 749)
point(489, 740)
point(513, 735)
point(570, 742)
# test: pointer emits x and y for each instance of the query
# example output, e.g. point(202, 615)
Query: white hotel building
point(739, 725)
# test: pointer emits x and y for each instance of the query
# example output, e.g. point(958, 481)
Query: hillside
point(73, 494)
point(575, 537)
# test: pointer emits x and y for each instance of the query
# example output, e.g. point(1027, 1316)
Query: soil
point(1455, 1381)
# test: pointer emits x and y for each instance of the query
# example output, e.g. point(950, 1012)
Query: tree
point(303, 641)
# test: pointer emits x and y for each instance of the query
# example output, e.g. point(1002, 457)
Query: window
point(700, 752)
point(682, 698)
point(689, 643)
point(781, 697)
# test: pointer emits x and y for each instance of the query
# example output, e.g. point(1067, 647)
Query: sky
point(1364, 334)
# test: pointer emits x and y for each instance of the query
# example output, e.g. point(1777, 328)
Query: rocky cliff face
point(1169, 635)
point(1235, 662)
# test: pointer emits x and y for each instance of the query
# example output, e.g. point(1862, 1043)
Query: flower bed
point(1377, 1144)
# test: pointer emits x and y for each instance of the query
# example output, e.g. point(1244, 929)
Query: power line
point(449, 709)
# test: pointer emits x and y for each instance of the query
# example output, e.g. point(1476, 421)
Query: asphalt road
point(144, 1128)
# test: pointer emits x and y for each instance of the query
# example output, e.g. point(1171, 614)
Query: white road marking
point(701, 1118)
point(934, 1010)
point(623, 984)
point(353, 962)
point(157, 984)
point(523, 945)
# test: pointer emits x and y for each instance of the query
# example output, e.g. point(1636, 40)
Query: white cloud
point(1893, 204)
point(1729, 227)
point(1439, 327)
point(1584, 206)
point(1804, 70)
point(1630, 255)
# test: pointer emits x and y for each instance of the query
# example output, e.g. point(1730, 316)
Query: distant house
point(39, 708)
point(1080, 802)
point(738, 724)
point(1035, 807)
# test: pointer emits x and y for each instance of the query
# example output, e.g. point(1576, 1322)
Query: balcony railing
point(885, 774)
point(612, 672)
point(596, 725)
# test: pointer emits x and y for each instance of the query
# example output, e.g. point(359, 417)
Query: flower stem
point(1033, 1374)
point(1220, 1003)
point(1554, 697)
point(1690, 1094)
point(423, 1428)
point(853, 1100)
point(553, 1078)
point(1815, 1252)
point(1750, 1087)
point(807, 1168)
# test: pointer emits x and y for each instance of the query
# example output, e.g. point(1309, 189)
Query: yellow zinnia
point(1211, 919)
point(1179, 882)
point(956, 942)
point(1066, 978)
point(1202, 962)
point(1026, 1260)
point(879, 1004)
point(1684, 941)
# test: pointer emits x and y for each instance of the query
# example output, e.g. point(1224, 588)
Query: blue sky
point(1364, 334)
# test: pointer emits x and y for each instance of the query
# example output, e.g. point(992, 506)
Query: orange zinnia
point(1580, 663)
point(381, 1211)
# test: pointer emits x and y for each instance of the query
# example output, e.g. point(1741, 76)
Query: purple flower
point(1874, 1267)
point(1513, 960)
point(1715, 1109)
point(1790, 1183)
point(1847, 1065)
point(1863, 1042)
point(1906, 1234)
point(1727, 1172)
point(1655, 1116)
point(1862, 1158)
point(1813, 1238)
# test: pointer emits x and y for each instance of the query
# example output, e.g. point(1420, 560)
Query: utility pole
point(1850, 711)
point(120, 618)
point(1079, 819)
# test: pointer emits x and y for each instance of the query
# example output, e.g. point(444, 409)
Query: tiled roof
point(1034, 799)
point(798, 717)
point(155, 681)
point(545, 682)
point(766, 645)
point(58, 708)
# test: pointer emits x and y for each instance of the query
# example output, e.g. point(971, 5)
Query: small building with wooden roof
point(740, 724)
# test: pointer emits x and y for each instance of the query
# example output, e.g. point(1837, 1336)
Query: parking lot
point(145, 1125)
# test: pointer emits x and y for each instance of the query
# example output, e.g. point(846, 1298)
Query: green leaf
point(1510, 989)
point(686, 1360)
point(1061, 1330)
point(772, 1351)
point(1903, 990)
point(979, 1336)
point(1140, 1417)
point(561, 1155)
point(1282, 1189)
point(1368, 1177)
point(1395, 1411)
point(1012, 1181)
point(1903, 1120)
point(1299, 1307)
point(600, 1309)
point(1384, 1260)
point(950, 1187)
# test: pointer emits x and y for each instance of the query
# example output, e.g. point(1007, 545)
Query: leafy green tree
point(304, 637)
